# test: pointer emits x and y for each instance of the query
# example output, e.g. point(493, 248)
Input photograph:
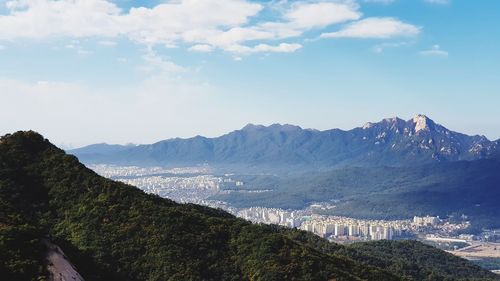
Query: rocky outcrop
point(58, 265)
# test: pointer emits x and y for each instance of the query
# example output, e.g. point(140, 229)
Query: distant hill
point(452, 188)
point(112, 231)
point(95, 151)
point(390, 142)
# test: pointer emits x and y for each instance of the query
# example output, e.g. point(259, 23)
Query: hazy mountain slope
point(392, 142)
point(111, 231)
point(99, 151)
point(464, 187)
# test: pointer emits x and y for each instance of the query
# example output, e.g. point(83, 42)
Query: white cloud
point(281, 48)
point(440, 2)
point(313, 15)
point(225, 39)
point(380, 48)
point(163, 24)
point(204, 25)
point(435, 50)
point(386, 2)
point(75, 45)
point(379, 28)
point(302, 17)
point(169, 23)
point(107, 43)
point(84, 52)
point(203, 48)
point(158, 64)
point(39, 19)
point(297, 19)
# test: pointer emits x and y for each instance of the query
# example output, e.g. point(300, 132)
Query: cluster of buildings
point(112, 171)
point(343, 228)
point(333, 227)
point(183, 189)
point(426, 221)
point(438, 227)
point(353, 229)
point(155, 184)
point(271, 216)
point(197, 185)
point(185, 185)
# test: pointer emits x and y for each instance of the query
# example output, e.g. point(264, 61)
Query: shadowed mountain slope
point(451, 188)
point(390, 142)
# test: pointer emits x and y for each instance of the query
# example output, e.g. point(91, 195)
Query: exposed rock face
point(58, 266)
point(422, 123)
point(368, 126)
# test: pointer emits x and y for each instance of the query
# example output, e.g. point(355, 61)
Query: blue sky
point(86, 71)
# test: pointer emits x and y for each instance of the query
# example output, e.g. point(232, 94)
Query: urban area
point(198, 184)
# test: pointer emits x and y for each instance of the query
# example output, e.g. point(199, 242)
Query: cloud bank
point(235, 26)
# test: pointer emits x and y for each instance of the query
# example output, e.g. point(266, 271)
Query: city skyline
point(142, 71)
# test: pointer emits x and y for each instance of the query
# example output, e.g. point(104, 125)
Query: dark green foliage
point(410, 259)
point(488, 263)
point(112, 231)
point(415, 261)
point(471, 188)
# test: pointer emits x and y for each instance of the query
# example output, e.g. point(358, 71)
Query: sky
point(91, 71)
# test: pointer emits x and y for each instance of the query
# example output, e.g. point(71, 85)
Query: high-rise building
point(339, 229)
point(426, 221)
point(353, 230)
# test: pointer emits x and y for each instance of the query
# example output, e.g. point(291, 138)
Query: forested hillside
point(464, 187)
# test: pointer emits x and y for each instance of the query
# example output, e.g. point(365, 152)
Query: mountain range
point(389, 169)
point(390, 142)
point(59, 220)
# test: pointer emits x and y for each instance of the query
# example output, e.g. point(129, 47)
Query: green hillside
point(456, 188)
point(112, 231)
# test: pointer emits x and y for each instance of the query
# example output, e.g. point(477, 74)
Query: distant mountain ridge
point(390, 142)
point(103, 148)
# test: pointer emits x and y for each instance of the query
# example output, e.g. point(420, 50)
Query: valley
point(202, 185)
